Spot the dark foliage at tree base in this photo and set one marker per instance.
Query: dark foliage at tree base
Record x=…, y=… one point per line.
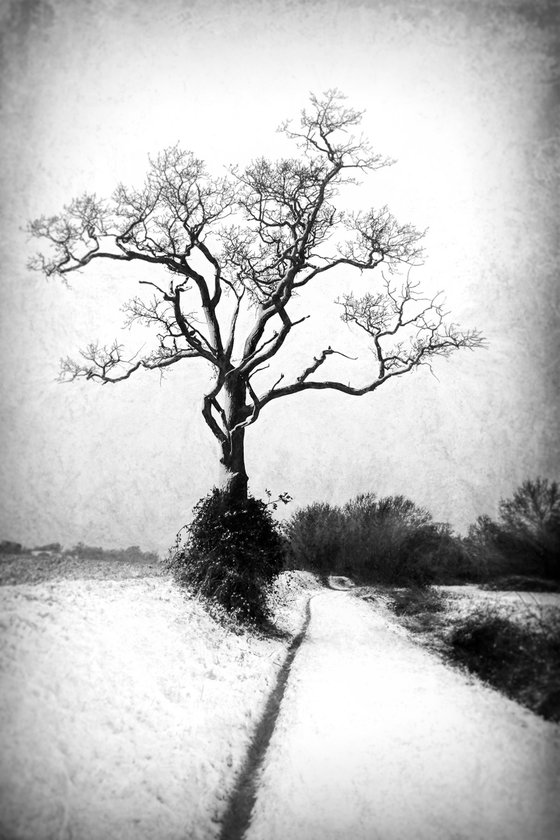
x=521, y=661
x=232, y=551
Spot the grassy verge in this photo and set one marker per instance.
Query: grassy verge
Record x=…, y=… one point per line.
x=514, y=647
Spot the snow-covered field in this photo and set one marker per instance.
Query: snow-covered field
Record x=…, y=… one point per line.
x=126, y=711
x=520, y=607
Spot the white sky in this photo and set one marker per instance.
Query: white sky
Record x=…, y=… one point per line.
x=459, y=98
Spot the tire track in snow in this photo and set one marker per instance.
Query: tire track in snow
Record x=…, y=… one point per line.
x=237, y=816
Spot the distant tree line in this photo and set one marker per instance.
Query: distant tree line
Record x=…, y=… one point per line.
x=525, y=539
x=393, y=540
x=81, y=551
x=229, y=556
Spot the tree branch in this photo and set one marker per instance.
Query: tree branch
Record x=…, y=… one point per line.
x=103, y=360
x=439, y=341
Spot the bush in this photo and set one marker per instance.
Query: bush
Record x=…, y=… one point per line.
x=516, y=653
x=86, y=552
x=481, y=546
x=316, y=536
x=388, y=537
x=231, y=553
x=530, y=526
x=414, y=601
x=133, y=554
x=526, y=538
x=387, y=540
x=521, y=661
x=419, y=608
x=10, y=547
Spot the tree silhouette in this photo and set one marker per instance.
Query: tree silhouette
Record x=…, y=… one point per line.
x=229, y=254
x=529, y=526
x=526, y=537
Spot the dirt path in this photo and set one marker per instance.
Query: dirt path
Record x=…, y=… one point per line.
x=376, y=738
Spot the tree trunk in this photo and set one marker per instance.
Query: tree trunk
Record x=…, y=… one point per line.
x=233, y=475
x=234, y=478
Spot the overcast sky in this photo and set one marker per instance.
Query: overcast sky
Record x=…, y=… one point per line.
x=461, y=95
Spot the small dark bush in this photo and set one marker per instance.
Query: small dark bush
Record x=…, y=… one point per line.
x=487, y=643
x=10, y=547
x=86, y=552
x=521, y=661
x=414, y=601
x=420, y=608
x=132, y=554
x=232, y=551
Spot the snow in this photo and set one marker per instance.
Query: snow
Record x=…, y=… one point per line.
x=524, y=608
x=376, y=738
x=502, y=596
x=126, y=711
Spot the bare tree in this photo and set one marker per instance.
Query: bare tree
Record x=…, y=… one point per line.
x=236, y=250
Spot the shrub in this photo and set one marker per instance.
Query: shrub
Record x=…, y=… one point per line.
x=231, y=552
x=526, y=538
x=387, y=540
x=86, y=552
x=530, y=526
x=522, y=661
x=10, y=547
x=414, y=601
x=316, y=536
x=386, y=537
x=132, y=554
x=420, y=609
x=515, y=652
x=481, y=547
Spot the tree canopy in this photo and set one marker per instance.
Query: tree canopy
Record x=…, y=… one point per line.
x=235, y=249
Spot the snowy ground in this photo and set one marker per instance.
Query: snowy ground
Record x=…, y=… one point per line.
x=533, y=600
x=525, y=608
x=126, y=711
x=377, y=738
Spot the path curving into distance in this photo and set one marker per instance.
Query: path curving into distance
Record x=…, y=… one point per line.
x=373, y=737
